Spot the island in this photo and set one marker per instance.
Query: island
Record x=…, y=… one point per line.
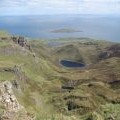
x=65, y=30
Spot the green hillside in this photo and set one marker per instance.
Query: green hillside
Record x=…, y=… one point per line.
x=50, y=91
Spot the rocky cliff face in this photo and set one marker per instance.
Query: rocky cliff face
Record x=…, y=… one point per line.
x=112, y=51
x=12, y=108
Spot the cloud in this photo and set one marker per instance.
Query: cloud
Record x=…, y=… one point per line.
x=61, y=6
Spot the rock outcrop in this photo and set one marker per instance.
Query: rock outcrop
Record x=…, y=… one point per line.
x=112, y=51
x=12, y=108
x=21, y=41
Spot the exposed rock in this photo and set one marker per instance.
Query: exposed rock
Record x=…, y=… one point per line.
x=21, y=41
x=71, y=84
x=112, y=51
x=71, y=105
x=12, y=107
x=15, y=84
x=6, y=69
x=4, y=38
x=82, y=98
x=20, y=75
x=15, y=39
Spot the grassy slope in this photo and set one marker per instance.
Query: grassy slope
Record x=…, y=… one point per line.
x=96, y=76
x=39, y=72
x=42, y=94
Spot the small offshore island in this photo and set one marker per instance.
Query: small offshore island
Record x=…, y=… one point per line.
x=34, y=86
x=65, y=30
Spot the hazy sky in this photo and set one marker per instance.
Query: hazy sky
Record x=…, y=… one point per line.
x=19, y=7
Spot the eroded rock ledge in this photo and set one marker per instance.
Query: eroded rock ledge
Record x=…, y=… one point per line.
x=12, y=109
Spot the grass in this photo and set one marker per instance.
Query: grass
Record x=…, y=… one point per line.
x=7, y=76
x=4, y=43
x=111, y=111
x=41, y=93
x=4, y=33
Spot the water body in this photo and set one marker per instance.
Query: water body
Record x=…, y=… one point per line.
x=72, y=64
x=93, y=26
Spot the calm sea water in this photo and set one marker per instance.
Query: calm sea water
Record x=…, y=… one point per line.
x=94, y=26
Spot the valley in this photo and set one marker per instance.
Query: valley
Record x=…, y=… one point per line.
x=49, y=91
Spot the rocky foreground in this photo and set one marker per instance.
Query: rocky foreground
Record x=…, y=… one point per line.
x=12, y=109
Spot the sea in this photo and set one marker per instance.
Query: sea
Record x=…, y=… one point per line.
x=102, y=27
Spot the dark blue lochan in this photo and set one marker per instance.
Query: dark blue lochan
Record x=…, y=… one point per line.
x=71, y=64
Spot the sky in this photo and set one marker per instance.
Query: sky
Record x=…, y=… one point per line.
x=38, y=7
